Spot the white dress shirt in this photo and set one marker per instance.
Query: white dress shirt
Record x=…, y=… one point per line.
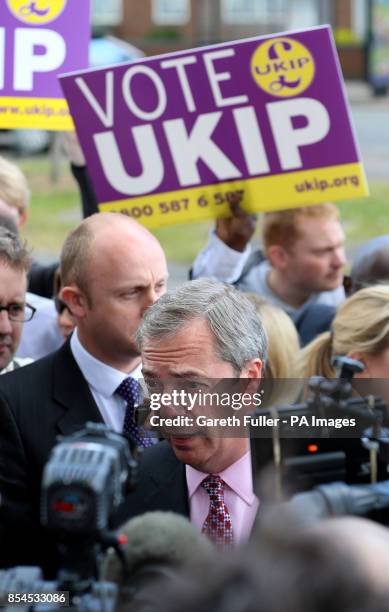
x=239, y=496
x=41, y=335
x=103, y=382
x=17, y=362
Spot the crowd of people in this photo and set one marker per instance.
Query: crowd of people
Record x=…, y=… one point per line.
x=77, y=336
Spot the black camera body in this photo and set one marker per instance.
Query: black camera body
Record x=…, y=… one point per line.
x=84, y=482
x=343, y=474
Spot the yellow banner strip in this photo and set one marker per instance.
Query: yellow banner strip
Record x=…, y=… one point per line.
x=35, y=113
x=289, y=190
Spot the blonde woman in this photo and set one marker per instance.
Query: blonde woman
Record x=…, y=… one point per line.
x=360, y=330
x=283, y=339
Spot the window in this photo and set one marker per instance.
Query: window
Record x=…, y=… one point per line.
x=170, y=12
x=235, y=12
x=303, y=14
x=107, y=12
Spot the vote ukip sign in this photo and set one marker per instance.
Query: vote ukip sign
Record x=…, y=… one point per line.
x=174, y=138
x=38, y=40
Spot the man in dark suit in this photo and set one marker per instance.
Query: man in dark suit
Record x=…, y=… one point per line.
x=192, y=336
x=113, y=269
x=204, y=337
x=14, y=311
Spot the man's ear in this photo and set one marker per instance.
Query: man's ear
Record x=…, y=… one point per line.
x=277, y=255
x=252, y=369
x=75, y=300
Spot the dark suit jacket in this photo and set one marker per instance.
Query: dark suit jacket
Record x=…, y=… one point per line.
x=37, y=403
x=314, y=320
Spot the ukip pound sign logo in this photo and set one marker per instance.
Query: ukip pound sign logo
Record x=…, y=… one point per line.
x=36, y=12
x=283, y=67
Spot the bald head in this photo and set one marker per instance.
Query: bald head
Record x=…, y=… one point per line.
x=96, y=238
x=365, y=542
x=113, y=269
x=100, y=222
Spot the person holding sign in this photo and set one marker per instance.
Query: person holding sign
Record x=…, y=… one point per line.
x=301, y=268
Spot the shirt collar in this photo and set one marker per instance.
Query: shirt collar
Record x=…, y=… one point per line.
x=101, y=377
x=9, y=368
x=238, y=477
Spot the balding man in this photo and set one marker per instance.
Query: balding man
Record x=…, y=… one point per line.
x=113, y=269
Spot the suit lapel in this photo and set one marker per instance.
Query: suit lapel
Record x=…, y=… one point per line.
x=162, y=479
x=71, y=390
x=170, y=489
x=161, y=486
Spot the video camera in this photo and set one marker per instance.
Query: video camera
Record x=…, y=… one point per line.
x=318, y=454
x=84, y=482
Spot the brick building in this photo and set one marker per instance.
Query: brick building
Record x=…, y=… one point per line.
x=160, y=26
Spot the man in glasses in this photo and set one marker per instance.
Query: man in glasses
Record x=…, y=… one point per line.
x=14, y=265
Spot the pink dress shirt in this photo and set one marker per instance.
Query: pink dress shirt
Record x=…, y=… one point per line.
x=239, y=497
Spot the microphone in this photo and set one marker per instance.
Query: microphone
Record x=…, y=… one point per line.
x=157, y=545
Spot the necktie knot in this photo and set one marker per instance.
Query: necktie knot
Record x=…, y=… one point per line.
x=213, y=485
x=130, y=390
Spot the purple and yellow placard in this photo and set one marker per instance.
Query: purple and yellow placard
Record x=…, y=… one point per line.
x=40, y=39
x=171, y=139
